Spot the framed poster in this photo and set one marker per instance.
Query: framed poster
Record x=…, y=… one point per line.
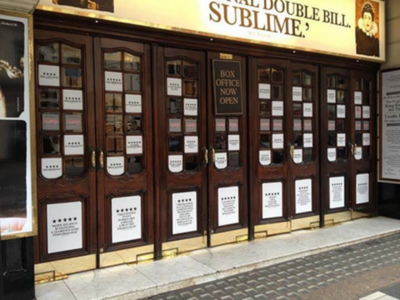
x=389, y=119
x=17, y=127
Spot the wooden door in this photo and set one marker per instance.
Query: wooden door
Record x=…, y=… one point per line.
x=66, y=141
x=364, y=149
x=181, y=150
x=227, y=172
x=269, y=146
x=335, y=144
x=125, y=152
x=304, y=183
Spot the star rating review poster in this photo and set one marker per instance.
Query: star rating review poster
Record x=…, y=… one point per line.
x=17, y=187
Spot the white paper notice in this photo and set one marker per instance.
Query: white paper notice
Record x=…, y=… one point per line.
x=297, y=93
x=358, y=98
x=49, y=75
x=272, y=200
x=277, y=108
x=331, y=96
x=308, y=140
x=362, y=187
x=264, y=91
x=191, y=144
x=175, y=163
x=64, y=227
x=115, y=165
x=307, y=110
x=126, y=219
x=190, y=107
x=174, y=87
x=221, y=160
x=336, y=192
x=73, y=100
x=341, y=111
x=184, y=212
x=265, y=157
x=133, y=104
x=233, y=142
x=52, y=168
x=228, y=206
x=73, y=145
x=358, y=153
x=366, y=112
x=277, y=141
x=303, y=196
x=331, y=154
x=134, y=144
x=298, y=156
x=366, y=139
x=113, y=81
x=341, y=140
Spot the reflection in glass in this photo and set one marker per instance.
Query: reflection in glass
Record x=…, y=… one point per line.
x=278, y=124
x=114, y=124
x=51, y=145
x=49, y=53
x=341, y=96
x=190, y=88
x=133, y=124
x=265, y=108
x=131, y=63
x=51, y=122
x=234, y=159
x=175, y=106
x=49, y=98
x=220, y=142
x=298, y=140
x=297, y=125
x=277, y=76
x=73, y=122
x=308, y=155
x=74, y=167
x=332, y=111
x=308, y=79
x=366, y=152
x=296, y=78
x=307, y=94
x=332, y=82
x=277, y=92
x=71, y=55
x=174, y=67
x=220, y=125
x=175, y=125
x=265, y=141
x=264, y=75
x=264, y=125
x=358, y=126
x=332, y=139
x=190, y=125
x=112, y=61
x=115, y=145
x=277, y=157
x=366, y=85
x=132, y=82
x=72, y=77
x=113, y=103
x=341, y=83
x=357, y=84
x=175, y=144
x=341, y=153
x=331, y=125
x=135, y=164
x=366, y=98
x=307, y=125
x=359, y=139
x=234, y=125
x=297, y=109
x=191, y=163
x=341, y=126
x=189, y=69
x=366, y=125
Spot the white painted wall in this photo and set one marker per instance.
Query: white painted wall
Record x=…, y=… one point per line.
x=392, y=34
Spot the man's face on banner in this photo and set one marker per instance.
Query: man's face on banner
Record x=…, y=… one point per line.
x=367, y=19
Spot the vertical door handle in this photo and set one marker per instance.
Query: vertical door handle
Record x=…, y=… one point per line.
x=292, y=151
x=93, y=157
x=101, y=159
x=205, y=161
x=354, y=148
x=213, y=155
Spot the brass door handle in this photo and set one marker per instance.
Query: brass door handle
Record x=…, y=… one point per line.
x=93, y=159
x=354, y=149
x=205, y=162
x=292, y=151
x=101, y=159
x=213, y=155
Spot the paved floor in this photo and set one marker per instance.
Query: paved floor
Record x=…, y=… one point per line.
x=348, y=273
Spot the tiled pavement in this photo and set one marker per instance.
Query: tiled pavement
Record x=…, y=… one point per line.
x=307, y=278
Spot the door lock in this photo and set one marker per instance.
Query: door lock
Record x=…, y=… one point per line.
x=205, y=161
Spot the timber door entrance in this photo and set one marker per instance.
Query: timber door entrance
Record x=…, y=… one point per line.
x=201, y=167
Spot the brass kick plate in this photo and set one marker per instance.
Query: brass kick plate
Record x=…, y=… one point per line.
x=266, y=230
x=229, y=237
x=338, y=217
x=174, y=248
x=127, y=256
x=305, y=223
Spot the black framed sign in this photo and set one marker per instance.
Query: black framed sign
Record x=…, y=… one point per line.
x=227, y=85
x=17, y=128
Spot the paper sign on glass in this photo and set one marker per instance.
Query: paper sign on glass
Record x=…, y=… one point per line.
x=272, y=200
x=73, y=100
x=366, y=112
x=228, y=206
x=358, y=153
x=341, y=111
x=303, y=196
x=133, y=104
x=49, y=75
x=362, y=187
x=184, y=212
x=190, y=107
x=265, y=157
x=233, y=142
x=221, y=160
x=307, y=110
x=277, y=108
x=297, y=93
x=174, y=87
x=191, y=144
x=331, y=96
x=126, y=219
x=52, y=168
x=341, y=140
x=134, y=144
x=175, y=163
x=115, y=165
x=64, y=227
x=277, y=141
x=358, y=98
x=298, y=156
x=308, y=140
x=336, y=192
x=264, y=91
x=73, y=145
x=366, y=139
x=331, y=154
x=113, y=81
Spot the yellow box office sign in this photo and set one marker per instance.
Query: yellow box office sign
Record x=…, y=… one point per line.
x=352, y=28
